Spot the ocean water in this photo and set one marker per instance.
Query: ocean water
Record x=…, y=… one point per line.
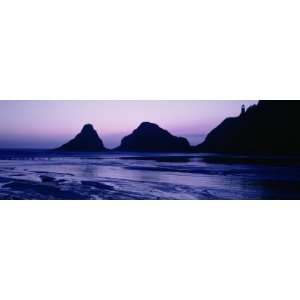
x=41, y=174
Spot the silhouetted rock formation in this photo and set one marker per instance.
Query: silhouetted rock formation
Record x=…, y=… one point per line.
x=149, y=137
x=270, y=127
x=86, y=141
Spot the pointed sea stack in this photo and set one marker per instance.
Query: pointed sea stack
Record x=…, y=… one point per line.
x=86, y=141
x=270, y=127
x=149, y=137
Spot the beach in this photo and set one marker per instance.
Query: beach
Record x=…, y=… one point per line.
x=44, y=174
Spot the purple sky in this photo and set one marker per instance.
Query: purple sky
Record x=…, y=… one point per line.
x=47, y=124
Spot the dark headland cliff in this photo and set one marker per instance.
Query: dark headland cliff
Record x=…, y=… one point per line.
x=270, y=127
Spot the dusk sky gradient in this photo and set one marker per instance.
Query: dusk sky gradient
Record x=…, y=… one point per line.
x=48, y=124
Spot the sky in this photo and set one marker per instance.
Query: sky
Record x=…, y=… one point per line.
x=48, y=124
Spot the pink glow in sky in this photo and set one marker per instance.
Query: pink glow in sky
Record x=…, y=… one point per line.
x=47, y=124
